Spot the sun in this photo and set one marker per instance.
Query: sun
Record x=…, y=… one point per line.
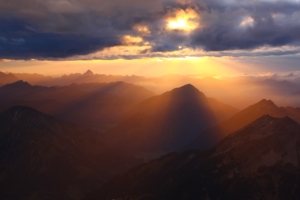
x=184, y=20
x=179, y=24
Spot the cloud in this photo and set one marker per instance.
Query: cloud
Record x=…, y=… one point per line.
x=58, y=29
x=19, y=42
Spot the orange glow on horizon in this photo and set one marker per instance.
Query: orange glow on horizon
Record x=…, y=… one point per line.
x=212, y=66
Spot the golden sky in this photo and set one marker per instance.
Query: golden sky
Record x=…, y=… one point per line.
x=150, y=38
x=210, y=66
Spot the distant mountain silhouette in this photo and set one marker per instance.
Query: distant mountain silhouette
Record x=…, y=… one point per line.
x=245, y=117
x=23, y=91
x=88, y=73
x=236, y=91
x=260, y=161
x=36, y=79
x=96, y=105
x=16, y=85
x=67, y=79
x=164, y=123
x=43, y=157
x=7, y=78
x=278, y=86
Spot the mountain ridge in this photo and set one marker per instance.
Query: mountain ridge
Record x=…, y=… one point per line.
x=165, y=122
x=46, y=157
x=245, y=117
x=265, y=166
x=103, y=104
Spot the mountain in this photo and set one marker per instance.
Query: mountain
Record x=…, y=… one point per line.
x=165, y=122
x=87, y=77
x=260, y=161
x=43, y=157
x=103, y=105
x=7, y=78
x=236, y=91
x=245, y=117
x=88, y=73
x=36, y=79
x=96, y=105
x=20, y=90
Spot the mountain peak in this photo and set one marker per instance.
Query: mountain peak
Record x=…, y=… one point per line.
x=265, y=102
x=18, y=84
x=17, y=112
x=264, y=127
x=288, y=119
x=188, y=90
x=31, y=118
x=188, y=86
x=88, y=73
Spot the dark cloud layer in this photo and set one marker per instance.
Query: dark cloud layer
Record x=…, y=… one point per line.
x=17, y=41
x=46, y=29
x=272, y=24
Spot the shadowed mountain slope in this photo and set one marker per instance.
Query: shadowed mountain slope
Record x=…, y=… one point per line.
x=245, y=117
x=43, y=157
x=260, y=161
x=98, y=106
x=166, y=122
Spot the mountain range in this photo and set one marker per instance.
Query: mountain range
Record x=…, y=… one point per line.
x=44, y=157
x=102, y=105
x=245, y=117
x=238, y=91
x=260, y=161
x=7, y=78
x=68, y=142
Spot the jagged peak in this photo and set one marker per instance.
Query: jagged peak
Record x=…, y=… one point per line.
x=268, y=118
x=288, y=119
x=88, y=73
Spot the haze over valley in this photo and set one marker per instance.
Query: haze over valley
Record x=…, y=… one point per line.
x=69, y=140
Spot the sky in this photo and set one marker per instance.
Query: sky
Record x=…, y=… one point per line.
x=153, y=38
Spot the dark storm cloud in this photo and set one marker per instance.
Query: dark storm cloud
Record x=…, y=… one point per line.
x=63, y=28
x=44, y=29
x=18, y=41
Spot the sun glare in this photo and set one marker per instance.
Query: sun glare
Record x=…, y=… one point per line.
x=185, y=20
x=180, y=24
